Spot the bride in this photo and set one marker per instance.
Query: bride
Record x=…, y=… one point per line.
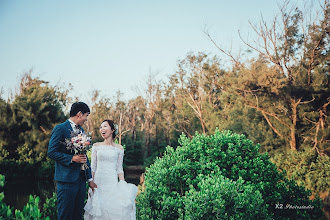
x=111, y=199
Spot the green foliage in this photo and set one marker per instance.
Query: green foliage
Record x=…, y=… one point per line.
x=6, y=212
x=307, y=168
x=33, y=170
x=243, y=120
x=170, y=178
x=2, y=180
x=27, y=120
x=217, y=197
x=5, y=117
x=36, y=110
x=30, y=211
x=133, y=153
x=25, y=126
x=288, y=83
x=50, y=207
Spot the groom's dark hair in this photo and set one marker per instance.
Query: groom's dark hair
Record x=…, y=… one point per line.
x=79, y=107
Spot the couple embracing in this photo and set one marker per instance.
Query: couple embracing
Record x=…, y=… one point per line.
x=109, y=196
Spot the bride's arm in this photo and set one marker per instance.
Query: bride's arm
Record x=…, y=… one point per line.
x=93, y=160
x=91, y=183
x=120, y=170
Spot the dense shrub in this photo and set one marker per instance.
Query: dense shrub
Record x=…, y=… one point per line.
x=217, y=197
x=30, y=211
x=50, y=207
x=171, y=180
x=13, y=169
x=307, y=168
x=6, y=212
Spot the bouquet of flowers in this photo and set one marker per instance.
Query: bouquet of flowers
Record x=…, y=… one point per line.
x=79, y=143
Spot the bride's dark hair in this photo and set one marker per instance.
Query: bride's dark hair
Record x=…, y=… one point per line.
x=112, y=126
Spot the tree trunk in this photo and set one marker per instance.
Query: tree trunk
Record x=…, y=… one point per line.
x=147, y=140
x=293, y=141
x=120, y=129
x=203, y=125
x=156, y=135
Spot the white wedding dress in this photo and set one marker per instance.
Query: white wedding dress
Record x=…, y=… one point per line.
x=111, y=199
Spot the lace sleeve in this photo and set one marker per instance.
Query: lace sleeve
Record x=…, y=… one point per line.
x=94, y=159
x=120, y=162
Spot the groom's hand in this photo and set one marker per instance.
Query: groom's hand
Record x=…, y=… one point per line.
x=81, y=158
x=92, y=185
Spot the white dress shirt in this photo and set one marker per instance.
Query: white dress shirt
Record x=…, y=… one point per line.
x=75, y=128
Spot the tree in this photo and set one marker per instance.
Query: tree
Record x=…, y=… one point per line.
x=5, y=121
x=152, y=98
x=35, y=110
x=195, y=94
x=289, y=82
x=121, y=117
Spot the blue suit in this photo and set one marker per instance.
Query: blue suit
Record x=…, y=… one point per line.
x=71, y=181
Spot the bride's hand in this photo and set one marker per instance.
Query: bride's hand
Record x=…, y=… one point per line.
x=92, y=185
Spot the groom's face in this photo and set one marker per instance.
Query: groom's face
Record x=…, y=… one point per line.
x=82, y=118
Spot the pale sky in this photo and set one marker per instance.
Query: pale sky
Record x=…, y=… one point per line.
x=111, y=45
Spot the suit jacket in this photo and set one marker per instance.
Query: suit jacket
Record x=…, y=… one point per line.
x=65, y=170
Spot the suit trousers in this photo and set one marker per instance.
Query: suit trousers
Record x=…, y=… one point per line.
x=71, y=199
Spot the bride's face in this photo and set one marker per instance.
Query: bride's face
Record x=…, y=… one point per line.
x=105, y=130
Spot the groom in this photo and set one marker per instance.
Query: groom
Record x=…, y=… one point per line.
x=70, y=179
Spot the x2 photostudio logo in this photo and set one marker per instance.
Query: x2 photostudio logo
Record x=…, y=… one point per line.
x=289, y=206
x=278, y=206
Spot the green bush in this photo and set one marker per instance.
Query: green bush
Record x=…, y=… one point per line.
x=307, y=168
x=50, y=207
x=30, y=211
x=217, y=197
x=6, y=212
x=13, y=169
x=170, y=180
